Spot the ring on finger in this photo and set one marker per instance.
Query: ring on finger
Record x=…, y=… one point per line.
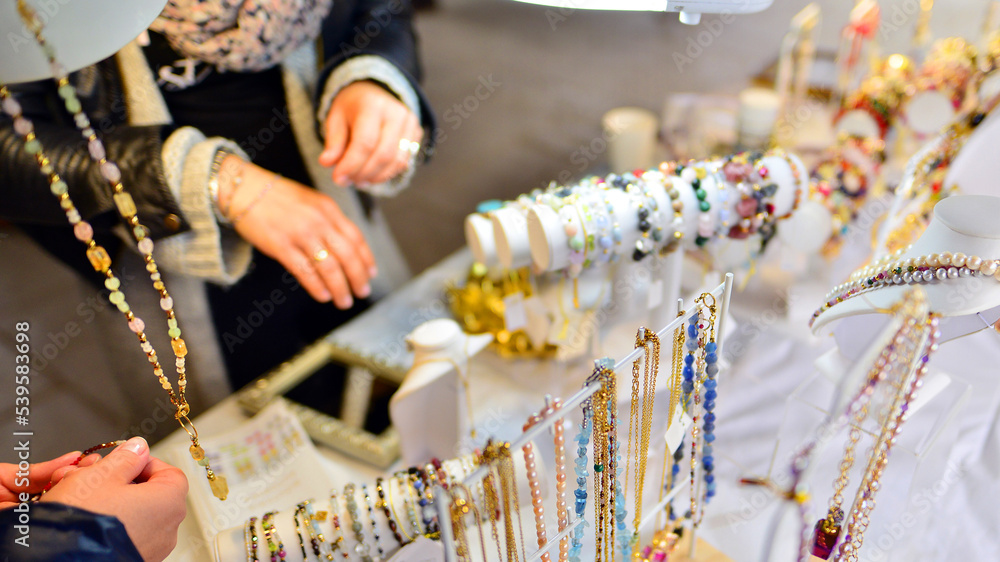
x=412, y=147
x=320, y=255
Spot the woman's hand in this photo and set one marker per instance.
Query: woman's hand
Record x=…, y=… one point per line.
x=146, y=494
x=363, y=132
x=304, y=230
x=38, y=476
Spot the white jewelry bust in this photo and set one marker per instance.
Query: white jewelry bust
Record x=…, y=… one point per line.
x=430, y=409
x=962, y=223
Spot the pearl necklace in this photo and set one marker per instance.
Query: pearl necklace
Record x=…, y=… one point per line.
x=894, y=269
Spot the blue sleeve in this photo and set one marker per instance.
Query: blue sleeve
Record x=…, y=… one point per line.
x=54, y=531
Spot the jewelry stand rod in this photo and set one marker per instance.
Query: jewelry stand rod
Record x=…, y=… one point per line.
x=722, y=292
x=541, y=551
x=651, y=515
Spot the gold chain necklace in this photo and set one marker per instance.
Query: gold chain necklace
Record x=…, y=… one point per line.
x=96, y=254
x=642, y=420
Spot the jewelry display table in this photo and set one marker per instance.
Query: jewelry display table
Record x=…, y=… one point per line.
x=773, y=358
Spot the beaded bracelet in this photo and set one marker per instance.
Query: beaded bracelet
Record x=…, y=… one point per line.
x=316, y=538
x=298, y=530
x=371, y=519
x=693, y=176
x=410, y=503
x=250, y=538
x=337, y=538
x=379, y=488
x=363, y=548
x=274, y=544
x=676, y=204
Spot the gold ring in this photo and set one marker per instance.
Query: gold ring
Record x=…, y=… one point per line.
x=321, y=254
x=406, y=145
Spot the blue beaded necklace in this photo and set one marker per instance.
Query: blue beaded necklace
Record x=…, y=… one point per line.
x=708, y=369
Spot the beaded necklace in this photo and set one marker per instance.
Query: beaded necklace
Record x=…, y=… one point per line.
x=96, y=254
x=894, y=269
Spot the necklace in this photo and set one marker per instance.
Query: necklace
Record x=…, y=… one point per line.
x=710, y=385
x=893, y=368
x=864, y=502
x=580, y=506
x=642, y=420
x=897, y=270
x=96, y=254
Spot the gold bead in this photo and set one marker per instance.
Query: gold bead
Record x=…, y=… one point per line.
x=197, y=453
x=99, y=258
x=125, y=204
x=180, y=348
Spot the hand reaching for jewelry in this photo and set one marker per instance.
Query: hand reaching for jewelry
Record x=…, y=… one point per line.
x=304, y=230
x=370, y=135
x=144, y=493
x=38, y=475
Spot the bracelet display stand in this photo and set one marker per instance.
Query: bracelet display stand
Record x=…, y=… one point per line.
x=430, y=411
x=529, y=231
x=723, y=292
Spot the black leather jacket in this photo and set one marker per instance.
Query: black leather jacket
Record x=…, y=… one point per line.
x=354, y=27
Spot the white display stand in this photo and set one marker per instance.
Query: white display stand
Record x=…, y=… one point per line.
x=723, y=293
x=433, y=392
x=68, y=28
x=546, y=227
x=479, y=237
x=965, y=224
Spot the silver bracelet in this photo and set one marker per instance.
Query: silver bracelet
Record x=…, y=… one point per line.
x=222, y=215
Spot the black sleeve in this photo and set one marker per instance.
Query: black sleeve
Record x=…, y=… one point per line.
x=375, y=27
x=55, y=531
x=24, y=192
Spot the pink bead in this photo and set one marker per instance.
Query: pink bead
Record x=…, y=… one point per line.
x=111, y=172
x=539, y=511
x=96, y=149
x=571, y=230
x=536, y=493
x=136, y=325
x=83, y=231
x=22, y=126
x=167, y=303
x=146, y=246
x=11, y=106
x=746, y=207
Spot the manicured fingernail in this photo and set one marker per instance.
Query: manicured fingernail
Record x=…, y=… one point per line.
x=325, y=296
x=346, y=303
x=340, y=180
x=364, y=184
x=373, y=271
x=136, y=445
x=365, y=291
